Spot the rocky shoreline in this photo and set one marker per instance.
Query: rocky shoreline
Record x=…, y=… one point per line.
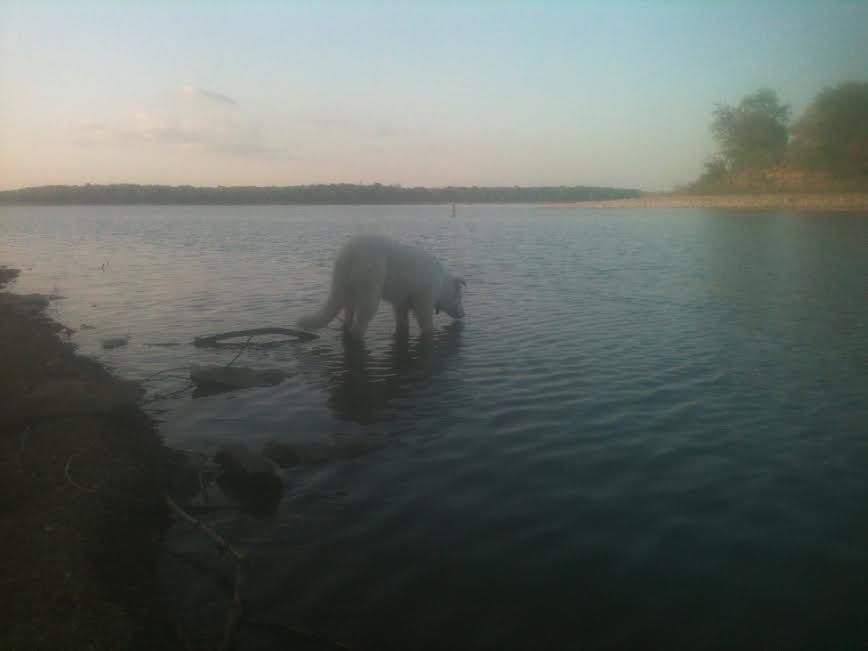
x=837, y=202
x=82, y=512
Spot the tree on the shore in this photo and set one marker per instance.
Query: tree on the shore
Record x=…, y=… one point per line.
x=832, y=135
x=752, y=135
x=715, y=173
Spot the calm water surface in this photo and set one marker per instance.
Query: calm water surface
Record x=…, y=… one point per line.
x=651, y=430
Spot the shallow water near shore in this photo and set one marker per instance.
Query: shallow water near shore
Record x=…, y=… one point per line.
x=651, y=428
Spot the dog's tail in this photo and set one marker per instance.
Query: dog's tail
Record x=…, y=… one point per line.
x=326, y=313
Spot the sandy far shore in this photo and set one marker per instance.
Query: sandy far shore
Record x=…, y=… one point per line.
x=843, y=202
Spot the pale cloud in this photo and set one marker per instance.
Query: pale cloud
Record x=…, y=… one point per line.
x=165, y=123
x=215, y=133
x=172, y=129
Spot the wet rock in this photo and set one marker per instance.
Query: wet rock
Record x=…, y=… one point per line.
x=59, y=327
x=240, y=460
x=249, y=478
x=235, y=377
x=114, y=342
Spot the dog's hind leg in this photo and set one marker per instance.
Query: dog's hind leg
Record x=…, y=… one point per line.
x=349, y=314
x=402, y=322
x=367, y=301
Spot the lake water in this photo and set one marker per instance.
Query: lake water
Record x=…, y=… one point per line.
x=650, y=431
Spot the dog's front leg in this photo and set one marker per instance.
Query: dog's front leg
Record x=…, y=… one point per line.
x=423, y=309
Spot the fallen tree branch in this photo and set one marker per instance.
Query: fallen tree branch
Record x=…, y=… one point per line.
x=215, y=341
x=204, y=528
x=86, y=489
x=165, y=370
x=171, y=394
x=236, y=610
x=238, y=354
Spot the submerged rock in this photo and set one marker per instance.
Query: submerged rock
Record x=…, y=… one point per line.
x=239, y=460
x=114, y=342
x=249, y=478
x=235, y=377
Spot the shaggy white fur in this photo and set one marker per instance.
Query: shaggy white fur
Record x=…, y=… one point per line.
x=369, y=268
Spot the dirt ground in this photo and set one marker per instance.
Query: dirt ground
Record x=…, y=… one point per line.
x=82, y=477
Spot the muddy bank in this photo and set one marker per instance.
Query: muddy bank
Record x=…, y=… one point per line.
x=849, y=202
x=82, y=478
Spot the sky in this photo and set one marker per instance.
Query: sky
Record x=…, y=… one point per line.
x=410, y=93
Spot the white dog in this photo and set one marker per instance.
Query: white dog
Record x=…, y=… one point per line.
x=369, y=268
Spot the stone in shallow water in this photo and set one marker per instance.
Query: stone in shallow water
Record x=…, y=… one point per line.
x=249, y=478
x=114, y=342
x=241, y=460
x=235, y=377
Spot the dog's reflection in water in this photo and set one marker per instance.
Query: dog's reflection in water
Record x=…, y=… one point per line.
x=367, y=389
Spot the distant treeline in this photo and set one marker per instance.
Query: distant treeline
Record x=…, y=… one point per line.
x=340, y=193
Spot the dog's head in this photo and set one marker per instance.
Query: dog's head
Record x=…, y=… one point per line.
x=450, y=297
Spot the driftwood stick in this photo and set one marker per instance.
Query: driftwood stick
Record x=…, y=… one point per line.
x=236, y=610
x=238, y=354
x=86, y=489
x=204, y=528
x=203, y=489
x=165, y=370
x=211, y=341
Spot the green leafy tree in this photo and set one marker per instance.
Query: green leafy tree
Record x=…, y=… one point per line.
x=752, y=135
x=832, y=135
x=713, y=179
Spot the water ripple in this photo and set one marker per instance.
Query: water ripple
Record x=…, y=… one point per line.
x=645, y=418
